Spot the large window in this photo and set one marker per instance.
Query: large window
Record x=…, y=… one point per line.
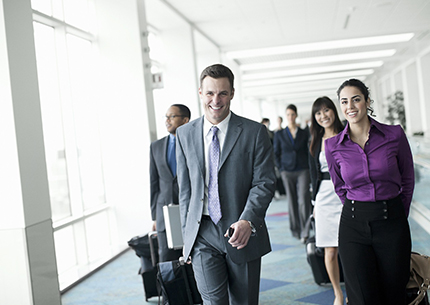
x=66, y=55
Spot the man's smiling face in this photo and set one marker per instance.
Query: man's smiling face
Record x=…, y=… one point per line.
x=216, y=94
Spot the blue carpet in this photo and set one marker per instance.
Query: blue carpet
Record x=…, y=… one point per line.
x=278, y=247
x=266, y=284
x=325, y=297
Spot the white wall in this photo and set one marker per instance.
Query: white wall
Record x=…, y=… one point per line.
x=124, y=117
x=412, y=78
x=180, y=84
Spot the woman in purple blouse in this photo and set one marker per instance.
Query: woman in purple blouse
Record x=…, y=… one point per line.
x=372, y=170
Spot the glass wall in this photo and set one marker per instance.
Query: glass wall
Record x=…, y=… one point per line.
x=66, y=56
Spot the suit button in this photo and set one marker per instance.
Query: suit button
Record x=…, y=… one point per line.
x=198, y=221
x=201, y=200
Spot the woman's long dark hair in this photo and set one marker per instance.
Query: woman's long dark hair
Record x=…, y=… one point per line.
x=317, y=131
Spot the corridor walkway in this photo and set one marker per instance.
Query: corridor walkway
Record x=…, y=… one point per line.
x=286, y=276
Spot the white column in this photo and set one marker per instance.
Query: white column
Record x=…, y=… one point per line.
x=146, y=60
x=28, y=266
x=412, y=99
x=423, y=64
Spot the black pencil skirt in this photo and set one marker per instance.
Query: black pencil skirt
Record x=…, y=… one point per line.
x=375, y=250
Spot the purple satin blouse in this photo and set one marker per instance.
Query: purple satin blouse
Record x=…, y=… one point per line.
x=382, y=171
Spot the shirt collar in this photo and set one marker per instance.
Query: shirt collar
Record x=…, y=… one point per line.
x=343, y=134
x=377, y=125
x=373, y=123
x=222, y=126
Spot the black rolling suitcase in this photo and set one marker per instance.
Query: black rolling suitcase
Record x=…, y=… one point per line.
x=315, y=257
x=177, y=283
x=146, y=247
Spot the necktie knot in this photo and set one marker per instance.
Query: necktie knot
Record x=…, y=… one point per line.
x=214, y=130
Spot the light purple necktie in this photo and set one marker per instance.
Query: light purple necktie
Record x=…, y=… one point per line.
x=213, y=194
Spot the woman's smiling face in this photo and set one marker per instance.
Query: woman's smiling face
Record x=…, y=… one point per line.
x=353, y=104
x=325, y=117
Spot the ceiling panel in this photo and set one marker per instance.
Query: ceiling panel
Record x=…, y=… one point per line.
x=254, y=24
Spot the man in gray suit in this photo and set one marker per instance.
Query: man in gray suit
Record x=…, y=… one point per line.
x=226, y=180
x=164, y=185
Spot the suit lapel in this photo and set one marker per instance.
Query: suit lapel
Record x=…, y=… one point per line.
x=233, y=133
x=199, y=144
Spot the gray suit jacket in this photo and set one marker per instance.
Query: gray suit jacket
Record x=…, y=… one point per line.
x=246, y=180
x=164, y=186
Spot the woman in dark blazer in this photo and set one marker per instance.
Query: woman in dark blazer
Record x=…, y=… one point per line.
x=325, y=123
x=291, y=153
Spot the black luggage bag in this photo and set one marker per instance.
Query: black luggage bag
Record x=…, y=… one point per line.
x=315, y=257
x=177, y=283
x=146, y=248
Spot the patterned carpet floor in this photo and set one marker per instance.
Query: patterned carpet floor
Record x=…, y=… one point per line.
x=286, y=277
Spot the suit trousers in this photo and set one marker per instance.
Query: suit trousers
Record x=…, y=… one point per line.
x=297, y=184
x=220, y=280
x=375, y=250
x=165, y=254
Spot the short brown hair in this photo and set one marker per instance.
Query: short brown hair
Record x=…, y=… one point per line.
x=218, y=71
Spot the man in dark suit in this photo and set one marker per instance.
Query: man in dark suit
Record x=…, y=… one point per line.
x=226, y=180
x=164, y=185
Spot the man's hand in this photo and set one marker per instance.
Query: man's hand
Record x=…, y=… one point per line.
x=154, y=226
x=241, y=235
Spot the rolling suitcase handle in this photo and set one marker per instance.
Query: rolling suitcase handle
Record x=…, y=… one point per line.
x=153, y=245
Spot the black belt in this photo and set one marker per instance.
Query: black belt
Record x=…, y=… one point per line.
x=325, y=176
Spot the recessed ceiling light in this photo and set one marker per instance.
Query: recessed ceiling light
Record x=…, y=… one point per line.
x=324, y=45
x=322, y=69
x=285, y=80
x=318, y=60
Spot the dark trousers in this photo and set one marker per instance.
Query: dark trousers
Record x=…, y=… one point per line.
x=221, y=281
x=375, y=250
x=299, y=200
